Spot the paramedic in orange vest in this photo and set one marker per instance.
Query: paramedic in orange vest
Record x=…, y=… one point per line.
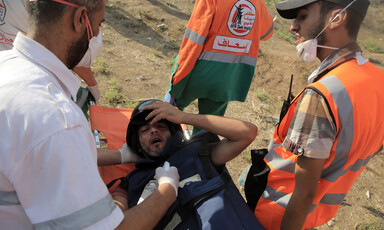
x=217, y=58
x=333, y=127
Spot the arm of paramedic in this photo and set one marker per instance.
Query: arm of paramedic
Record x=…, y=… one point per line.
x=312, y=113
x=148, y=213
x=108, y=157
x=113, y=157
x=238, y=134
x=121, y=202
x=194, y=37
x=307, y=175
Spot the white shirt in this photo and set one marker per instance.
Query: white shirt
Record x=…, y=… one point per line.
x=13, y=18
x=48, y=171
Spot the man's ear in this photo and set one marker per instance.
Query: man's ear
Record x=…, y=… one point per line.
x=338, y=19
x=79, y=22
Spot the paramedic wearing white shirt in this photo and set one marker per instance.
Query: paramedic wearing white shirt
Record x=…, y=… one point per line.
x=48, y=171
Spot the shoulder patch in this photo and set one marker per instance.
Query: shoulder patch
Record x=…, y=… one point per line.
x=241, y=18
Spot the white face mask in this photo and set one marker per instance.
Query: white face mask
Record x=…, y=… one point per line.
x=94, y=48
x=308, y=50
x=95, y=43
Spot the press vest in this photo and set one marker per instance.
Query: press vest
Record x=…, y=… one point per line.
x=220, y=49
x=355, y=98
x=207, y=197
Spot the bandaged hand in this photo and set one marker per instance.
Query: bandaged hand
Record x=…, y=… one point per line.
x=167, y=174
x=95, y=92
x=128, y=155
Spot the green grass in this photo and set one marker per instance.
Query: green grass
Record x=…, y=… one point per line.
x=100, y=67
x=120, y=15
x=109, y=4
x=113, y=94
x=262, y=95
x=162, y=27
x=171, y=45
x=307, y=72
x=171, y=4
x=116, y=14
x=286, y=35
x=132, y=22
x=372, y=224
x=246, y=155
x=181, y=28
x=269, y=3
x=131, y=104
x=374, y=46
x=115, y=97
x=146, y=14
x=157, y=53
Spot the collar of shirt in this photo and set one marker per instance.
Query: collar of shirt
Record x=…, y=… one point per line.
x=346, y=53
x=38, y=54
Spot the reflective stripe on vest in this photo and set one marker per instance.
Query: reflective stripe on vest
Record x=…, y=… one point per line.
x=195, y=37
x=332, y=173
x=282, y=198
x=228, y=58
x=9, y=198
x=268, y=32
x=345, y=115
x=82, y=218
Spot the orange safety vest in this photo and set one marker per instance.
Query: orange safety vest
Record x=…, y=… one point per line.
x=222, y=32
x=356, y=99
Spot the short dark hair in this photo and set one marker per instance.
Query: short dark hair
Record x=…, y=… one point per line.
x=353, y=22
x=48, y=12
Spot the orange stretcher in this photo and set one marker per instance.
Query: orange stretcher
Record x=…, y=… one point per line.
x=112, y=123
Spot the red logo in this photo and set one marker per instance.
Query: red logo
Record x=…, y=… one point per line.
x=241, y=18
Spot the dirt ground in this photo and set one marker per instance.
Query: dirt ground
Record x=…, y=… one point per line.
x=141, y=39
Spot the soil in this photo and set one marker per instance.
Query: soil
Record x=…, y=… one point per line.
x=141, y=39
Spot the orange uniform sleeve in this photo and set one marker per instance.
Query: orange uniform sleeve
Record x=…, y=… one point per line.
x=194, y=38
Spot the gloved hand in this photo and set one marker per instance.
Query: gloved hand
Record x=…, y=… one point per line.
x=95, y=92
x=168, y=175
x=128, y=155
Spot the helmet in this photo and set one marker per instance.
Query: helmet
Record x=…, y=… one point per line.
x=137, y=120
